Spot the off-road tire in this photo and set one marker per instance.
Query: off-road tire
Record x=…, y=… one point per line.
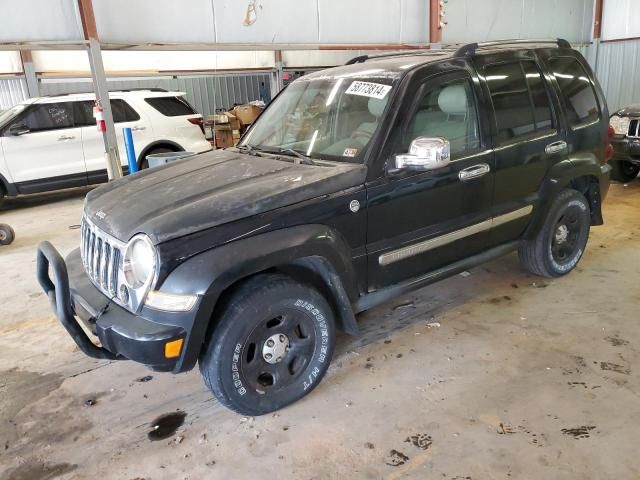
x=240, y=338
x=7, y=235
x=624, y=171
x=536, y=255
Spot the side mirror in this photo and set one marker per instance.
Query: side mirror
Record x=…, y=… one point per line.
x=424, y=154
x=18, y=129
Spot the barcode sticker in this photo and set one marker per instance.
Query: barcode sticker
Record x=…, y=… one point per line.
x=368, y=89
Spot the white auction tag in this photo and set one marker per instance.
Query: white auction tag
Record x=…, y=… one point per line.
x=368, y=89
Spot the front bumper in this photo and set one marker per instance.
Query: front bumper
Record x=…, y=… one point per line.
x=625, y=148
x=122, y=334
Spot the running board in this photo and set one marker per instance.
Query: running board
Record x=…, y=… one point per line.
x=380, y=296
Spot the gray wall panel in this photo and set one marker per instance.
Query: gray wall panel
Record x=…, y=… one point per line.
x=618, y=72
x=12, y=91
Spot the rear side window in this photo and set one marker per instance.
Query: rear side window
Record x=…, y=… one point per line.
x=49, y=116
x=121, y=110
x=576, y=88
x=520, y=99
x=171, y=106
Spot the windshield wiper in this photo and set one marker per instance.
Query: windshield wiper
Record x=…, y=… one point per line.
x=304, y=159
x=248, y=149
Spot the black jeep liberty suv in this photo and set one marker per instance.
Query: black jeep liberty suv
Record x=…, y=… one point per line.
x=357, y=184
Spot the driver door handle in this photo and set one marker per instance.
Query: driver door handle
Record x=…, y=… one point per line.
x=555, y=147
x=475, y=171
x=65, y=137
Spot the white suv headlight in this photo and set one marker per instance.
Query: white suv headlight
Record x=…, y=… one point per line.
x=140, y=262
x=620, y=124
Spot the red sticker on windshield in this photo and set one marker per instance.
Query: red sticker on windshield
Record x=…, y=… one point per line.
x=350, y=152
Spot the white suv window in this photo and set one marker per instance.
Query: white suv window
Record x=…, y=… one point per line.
x=122, y=112
x=49, y=116
x=171, y=106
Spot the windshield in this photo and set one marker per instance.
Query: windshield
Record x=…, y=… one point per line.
x=7, y=115
x=330, y=118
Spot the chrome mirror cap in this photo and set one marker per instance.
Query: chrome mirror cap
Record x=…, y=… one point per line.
x=425, y=154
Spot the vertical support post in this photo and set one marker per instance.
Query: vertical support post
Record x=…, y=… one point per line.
x=29, y=73
x=276, y=77
x=435, y=30
x=114, y=168
x=131, y=152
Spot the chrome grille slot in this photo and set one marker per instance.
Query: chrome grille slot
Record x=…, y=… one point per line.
x=634, y=128
x=101, y=257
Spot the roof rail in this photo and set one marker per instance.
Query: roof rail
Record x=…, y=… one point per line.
x=406, y=53
x=470, y=48
x=141, y=89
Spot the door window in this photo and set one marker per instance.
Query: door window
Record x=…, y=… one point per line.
x=49, y=116
x=580, y=97
x=446, y=110
x=171, y=106
x=520, y=99
x=121, y=110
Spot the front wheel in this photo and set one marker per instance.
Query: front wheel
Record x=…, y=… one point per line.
x=624, y=171
x=272, y=345
x=7, y=235
x=560, y=243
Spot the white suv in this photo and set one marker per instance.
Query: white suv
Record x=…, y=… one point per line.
x=51, y=143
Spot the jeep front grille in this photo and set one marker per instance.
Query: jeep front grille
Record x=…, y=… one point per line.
x=634, y=128
x=101, y=256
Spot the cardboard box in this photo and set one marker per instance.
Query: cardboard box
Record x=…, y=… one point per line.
x=218, y=118
x=247, y=113
x=224, y=138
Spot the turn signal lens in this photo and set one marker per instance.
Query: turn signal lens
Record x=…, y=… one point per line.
x=170, y=302
x=172, y=349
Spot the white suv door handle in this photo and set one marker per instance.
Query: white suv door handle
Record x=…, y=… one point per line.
x=473, y=172
x=555, y=147
x=65, y=137
x=135, y=129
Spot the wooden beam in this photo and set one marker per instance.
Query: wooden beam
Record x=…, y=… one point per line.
x=597, y=19
x=435, y=31
x=88, y=19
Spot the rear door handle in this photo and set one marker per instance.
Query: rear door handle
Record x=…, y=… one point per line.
x=473, y=172
x=65, y=137
x=556, y=147
x=135, y=129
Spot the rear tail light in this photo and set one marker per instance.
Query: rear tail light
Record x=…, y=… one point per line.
x=197, y=121
x=608, y=151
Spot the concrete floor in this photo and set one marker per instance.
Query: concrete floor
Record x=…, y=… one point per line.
x=493, y=375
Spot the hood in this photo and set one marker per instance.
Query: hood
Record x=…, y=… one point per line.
x=629, y=111
x=207, y=190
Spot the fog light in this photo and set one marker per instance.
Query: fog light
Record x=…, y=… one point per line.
x=172, y=349
x=170, y=302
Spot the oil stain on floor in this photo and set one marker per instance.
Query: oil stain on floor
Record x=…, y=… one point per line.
x=166, y=425
x=38, y=471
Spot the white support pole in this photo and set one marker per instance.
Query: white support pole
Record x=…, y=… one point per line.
x=114, y=168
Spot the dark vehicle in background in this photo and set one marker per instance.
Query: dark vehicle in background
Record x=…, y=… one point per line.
x=357, y=184
x=626, y=143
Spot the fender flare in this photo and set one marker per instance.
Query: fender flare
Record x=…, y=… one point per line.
x=315, y=248
x=561, y=176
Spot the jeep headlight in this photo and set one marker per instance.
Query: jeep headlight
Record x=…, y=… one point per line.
x=140, y=262
x=620, y=124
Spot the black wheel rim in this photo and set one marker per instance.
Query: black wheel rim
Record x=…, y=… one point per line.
x=566, y=235
x=278, y=350
x=629, y=169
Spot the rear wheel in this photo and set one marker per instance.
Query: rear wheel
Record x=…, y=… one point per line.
x=7, y=235
x=624, y=170
x=271, y=347
x=561, y=241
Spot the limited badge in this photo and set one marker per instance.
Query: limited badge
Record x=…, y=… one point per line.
x=354, y=206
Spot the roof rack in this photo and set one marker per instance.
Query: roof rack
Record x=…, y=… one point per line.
x=470, y=48
x=425, y=52
x=141, y=89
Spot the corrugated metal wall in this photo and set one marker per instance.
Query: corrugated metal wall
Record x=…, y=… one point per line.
x=618, y=71
x=12, y=91
x=207, y=93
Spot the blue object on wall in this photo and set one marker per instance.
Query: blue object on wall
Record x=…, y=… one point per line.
x=131, y=153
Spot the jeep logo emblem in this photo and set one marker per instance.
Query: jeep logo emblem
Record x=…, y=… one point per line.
x=101, y=214
x=354, y=206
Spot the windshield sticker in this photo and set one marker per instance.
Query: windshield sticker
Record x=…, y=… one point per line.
x=350, y=152
x=368, y=89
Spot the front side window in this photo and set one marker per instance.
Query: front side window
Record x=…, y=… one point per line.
x=332, y=118
x=580, y=97
x=49, y=116
x=446, y=110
